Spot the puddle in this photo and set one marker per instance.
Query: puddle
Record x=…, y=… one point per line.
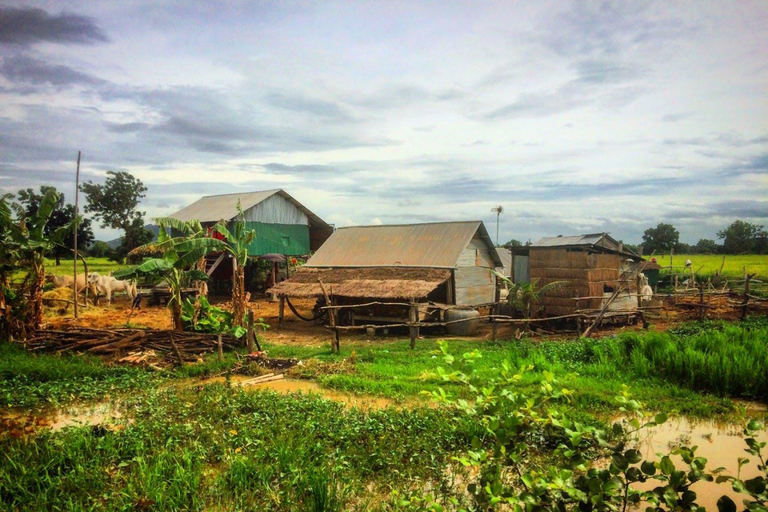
x=25, y=422
x=307, y=387
x=720, y=444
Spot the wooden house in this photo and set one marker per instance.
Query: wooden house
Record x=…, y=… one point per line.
x=446, y=263
x=284, y=227
x=588, y=267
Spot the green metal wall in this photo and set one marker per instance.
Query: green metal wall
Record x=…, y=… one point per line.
x=288, y=239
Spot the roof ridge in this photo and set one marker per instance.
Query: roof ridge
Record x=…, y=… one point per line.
x=412, y=224
x=243, y=193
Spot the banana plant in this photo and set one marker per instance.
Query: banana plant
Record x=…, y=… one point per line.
x=179, y=255
x=25, y=244
x=239, y=239
x=524, y=297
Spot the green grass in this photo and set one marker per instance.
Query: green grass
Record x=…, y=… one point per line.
x=226, y=449
x=696, y=375
x=101, y=265
x=30, y=379
x=710, y=263
x=221, y=448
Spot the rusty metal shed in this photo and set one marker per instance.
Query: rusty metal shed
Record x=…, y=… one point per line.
x=463, y=248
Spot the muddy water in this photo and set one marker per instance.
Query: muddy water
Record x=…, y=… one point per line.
x=102, y=413
x=307, y=387
x=720, y=444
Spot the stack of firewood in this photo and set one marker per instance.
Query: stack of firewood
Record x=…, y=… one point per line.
x=185, y=346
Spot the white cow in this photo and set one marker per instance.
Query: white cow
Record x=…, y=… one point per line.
x=107, y=285
x=66, y=281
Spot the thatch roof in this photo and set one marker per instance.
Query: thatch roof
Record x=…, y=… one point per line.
x=377, y=282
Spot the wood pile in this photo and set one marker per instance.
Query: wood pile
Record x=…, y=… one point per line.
x=114, y=342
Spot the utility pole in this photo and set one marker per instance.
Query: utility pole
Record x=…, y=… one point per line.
x=497, y=209
x=77, y=225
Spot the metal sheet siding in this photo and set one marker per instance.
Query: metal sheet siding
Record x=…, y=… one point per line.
x=276, y=210
x=474, y=286
x=436, y=245
x=287, y=239
x=522, y=271
x=221, y=207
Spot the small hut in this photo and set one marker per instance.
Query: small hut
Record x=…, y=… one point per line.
x=442, y=263
x=590, y=267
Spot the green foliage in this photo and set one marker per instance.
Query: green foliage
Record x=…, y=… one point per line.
x=660, y=239
x=518, y=427
x=227, y=449
x=99, y=249
x=114, y=203
x=743, y=238
x=726, y=359
x=30, y=380
x=61, y=216
x=200, y=316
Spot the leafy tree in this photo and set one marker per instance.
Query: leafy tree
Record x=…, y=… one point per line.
x=99, y=249
x=114, y=203
x=705, y=246
x=683, y=248
x=662, y=238
x=742, y=237
x=62, y=215
x=513, y=243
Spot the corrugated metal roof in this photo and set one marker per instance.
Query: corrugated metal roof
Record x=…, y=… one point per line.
x=224, y=207
x=602, y=240
x=436, y=245
x=562, y=241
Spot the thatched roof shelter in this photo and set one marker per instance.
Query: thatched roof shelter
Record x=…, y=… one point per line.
x=382, y=282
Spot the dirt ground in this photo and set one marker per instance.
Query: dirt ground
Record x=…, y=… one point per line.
x=304, y=333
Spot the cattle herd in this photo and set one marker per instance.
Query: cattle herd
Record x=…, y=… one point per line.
x=97, y=285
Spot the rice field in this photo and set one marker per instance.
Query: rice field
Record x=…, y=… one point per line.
x=733, y=265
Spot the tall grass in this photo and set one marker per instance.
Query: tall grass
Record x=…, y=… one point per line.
x=729, y=361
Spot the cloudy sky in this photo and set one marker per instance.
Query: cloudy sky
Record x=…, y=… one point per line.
x=575, y=117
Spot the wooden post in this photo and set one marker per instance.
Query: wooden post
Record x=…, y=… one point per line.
x=176, y=349
x=413, y=317
x=74, y=260
x=331, y=319
x=495, y=310
x=639, y=291
x=745, y=304
x=602, y=311
x=249, y=335
x=281, y=313
x=702, y=309
x=221, y=349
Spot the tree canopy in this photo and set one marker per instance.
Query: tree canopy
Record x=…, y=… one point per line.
x=62, y=215
x=743, y=237
x=662, y=238
x=114, y=204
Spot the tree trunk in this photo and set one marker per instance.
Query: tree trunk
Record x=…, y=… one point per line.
x=202, y=286
x=58, y=260
x=36, y=298
x=176, y=314
x=238, y=295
